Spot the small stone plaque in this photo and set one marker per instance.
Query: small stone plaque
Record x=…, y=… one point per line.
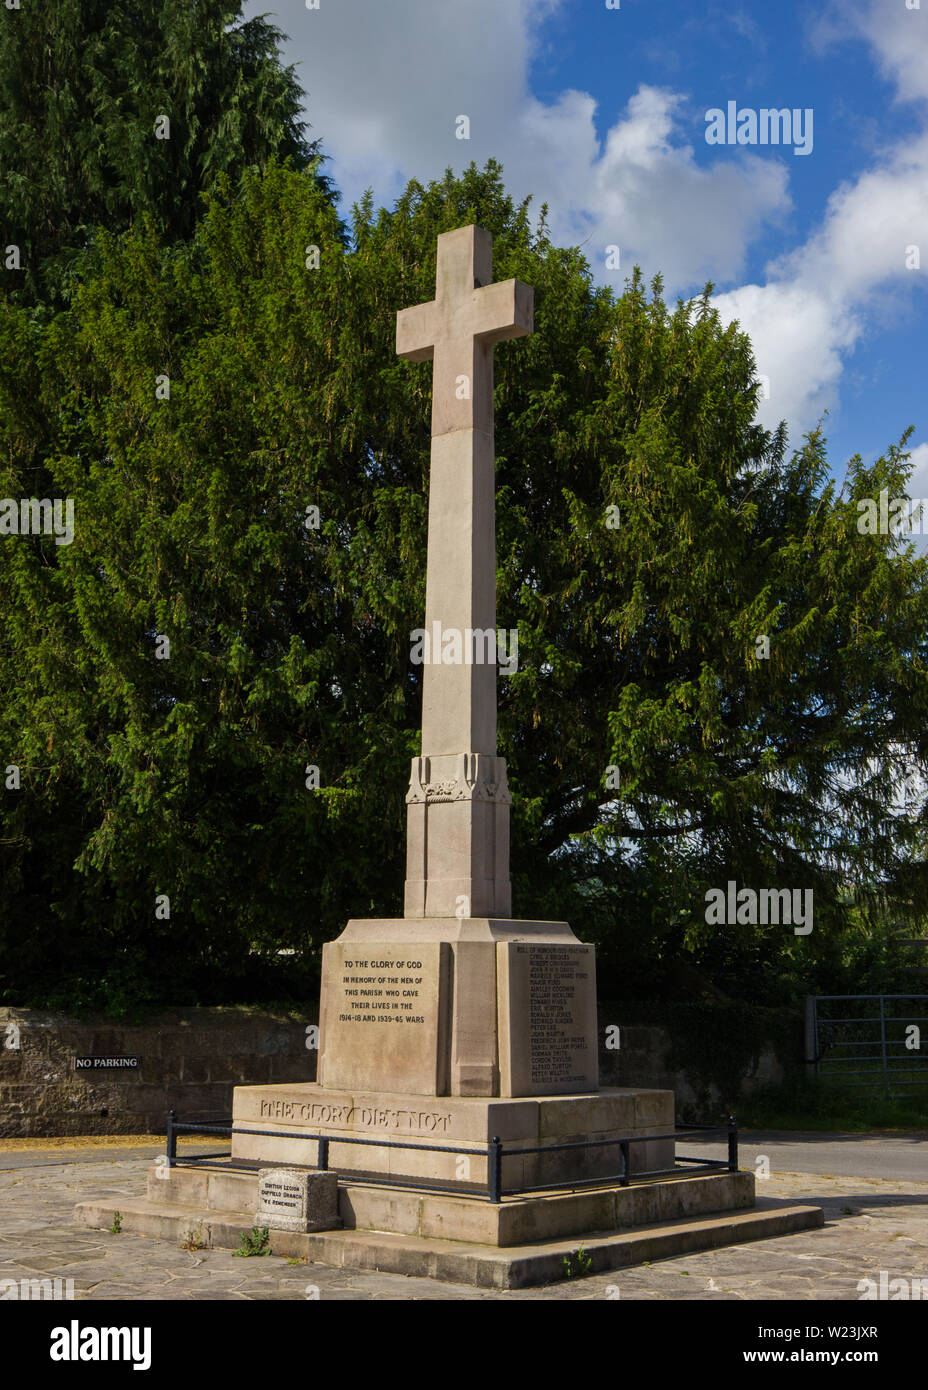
x=547, y=1019
x=292, y=1199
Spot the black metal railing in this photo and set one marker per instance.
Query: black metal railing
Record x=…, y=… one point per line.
x=496, y=1151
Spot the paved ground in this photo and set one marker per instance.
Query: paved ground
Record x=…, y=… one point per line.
x=57, y=1158
x=873, y=1224
x=900, y=1156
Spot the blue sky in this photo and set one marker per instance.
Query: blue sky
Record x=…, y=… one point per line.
x=602, y=113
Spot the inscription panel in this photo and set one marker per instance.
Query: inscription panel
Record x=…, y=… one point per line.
x=547, y=1013
x=280, y=1191
x=290, y=1199
x=323, y=1115
x=384, y=1016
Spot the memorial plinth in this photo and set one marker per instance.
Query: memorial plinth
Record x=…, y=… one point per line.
x=459, y=1007
x=459, y=1129
x=455, y=1032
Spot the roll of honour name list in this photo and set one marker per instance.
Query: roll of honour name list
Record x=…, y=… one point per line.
x=372, y=996
x=557, y=1044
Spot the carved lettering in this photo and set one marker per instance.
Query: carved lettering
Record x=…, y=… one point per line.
x=373, y=982
x=356, y=1117
x=551, y=989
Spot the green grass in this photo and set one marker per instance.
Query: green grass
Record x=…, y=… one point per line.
x=825, y=1106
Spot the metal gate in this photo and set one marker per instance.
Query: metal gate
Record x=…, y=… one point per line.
x=869, y=1040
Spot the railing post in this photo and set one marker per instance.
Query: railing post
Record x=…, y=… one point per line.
x=883, y=1045
x=732, y=1144
x=172, y=1138
x=322, y=1158
x=495, y=1165
x=811, y=1036
x=624, y=1146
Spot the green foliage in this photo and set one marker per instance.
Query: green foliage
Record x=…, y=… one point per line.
x=255, y=1242
x=116, y=1227
x=290, y=646
x=826, y=1106
x=82, y=84
x=584, y=1263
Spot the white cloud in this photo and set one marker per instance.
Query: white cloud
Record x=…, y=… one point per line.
x=868, y=225
x=818, y=299
x=897, y=34
x=386, y=83
x=644, y=190
x=918, y=482
x=798, y=338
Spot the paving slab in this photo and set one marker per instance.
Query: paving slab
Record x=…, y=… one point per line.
x=901, y=1155
x=872, y=1224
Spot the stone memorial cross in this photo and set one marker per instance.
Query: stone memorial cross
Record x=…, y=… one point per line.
x=457, y=855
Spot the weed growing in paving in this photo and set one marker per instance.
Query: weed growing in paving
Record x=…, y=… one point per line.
x=257, y=1243
x=584, y=1263
x=193, y=1240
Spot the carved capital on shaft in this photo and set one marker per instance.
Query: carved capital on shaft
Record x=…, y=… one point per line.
x=458, y=777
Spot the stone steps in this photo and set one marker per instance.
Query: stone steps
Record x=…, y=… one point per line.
x=521, y=1220
x=483, y=1265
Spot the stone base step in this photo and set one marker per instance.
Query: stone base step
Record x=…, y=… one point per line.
x=520, y=1220
x=463, y=1262
x=270, y=1124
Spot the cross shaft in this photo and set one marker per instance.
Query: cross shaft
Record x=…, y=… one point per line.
x=458, y=802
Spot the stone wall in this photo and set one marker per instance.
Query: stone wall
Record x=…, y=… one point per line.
x=192, y=1059
x=710, y=1076
x=189, y=1059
